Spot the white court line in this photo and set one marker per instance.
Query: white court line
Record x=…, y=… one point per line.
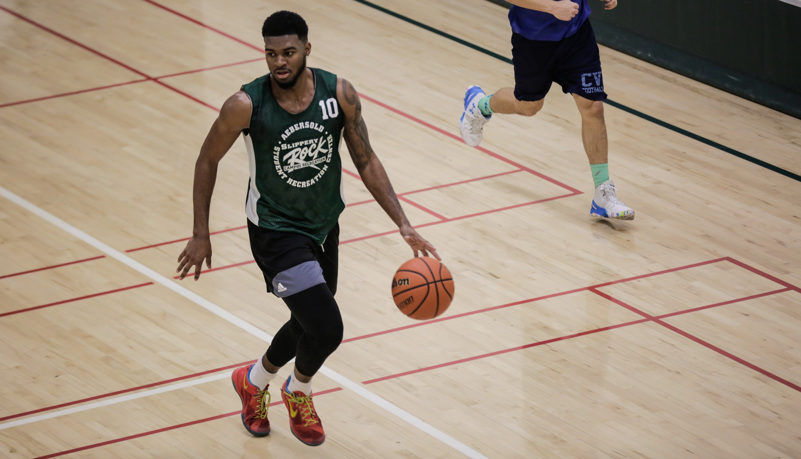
x=113, y=401
x=223, y=314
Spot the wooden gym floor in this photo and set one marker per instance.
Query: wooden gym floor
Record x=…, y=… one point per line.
x=675, y=335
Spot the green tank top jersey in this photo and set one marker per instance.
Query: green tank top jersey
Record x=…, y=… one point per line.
x=295, y=168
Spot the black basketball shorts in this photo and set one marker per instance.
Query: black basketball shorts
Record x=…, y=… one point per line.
x=293, y=262
x=574, y=63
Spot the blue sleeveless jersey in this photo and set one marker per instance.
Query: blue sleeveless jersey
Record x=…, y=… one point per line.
x=536, y=25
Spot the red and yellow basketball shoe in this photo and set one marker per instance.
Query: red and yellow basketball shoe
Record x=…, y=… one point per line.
x=303, y=420
x=255, y=403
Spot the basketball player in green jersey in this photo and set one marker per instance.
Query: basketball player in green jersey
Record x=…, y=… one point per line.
x=292, y=121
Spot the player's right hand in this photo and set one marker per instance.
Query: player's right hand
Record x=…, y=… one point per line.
x=565, y=10
x=197, y=249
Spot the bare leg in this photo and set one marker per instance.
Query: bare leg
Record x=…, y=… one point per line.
x=503, y=101
x=593, y=129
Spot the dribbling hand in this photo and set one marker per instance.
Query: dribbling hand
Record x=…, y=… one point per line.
x=418, y=244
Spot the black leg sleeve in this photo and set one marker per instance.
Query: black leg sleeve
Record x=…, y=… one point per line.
x=313, y=332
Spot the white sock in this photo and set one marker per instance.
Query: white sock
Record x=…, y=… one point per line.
x=260, y=377
x=293, y=385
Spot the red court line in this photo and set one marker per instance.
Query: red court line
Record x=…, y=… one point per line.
x=462, y=182
x=435, y=187
x=167, y=429
x=395, y=110
x=447, y=318
x=621, y=303
x=464, y=314
x=404, y=198
x=456, y=316
x=461, y=217
x=706, y=344
x=103, y=256
x=368, y=98
x=371, y=236
x=513, y=206
x=72, y=93
x=54, y=266
x=731, y=356
x=423, y=208
x=205, y=69
x=723, y=303
x=566, y=292
x=116, y=85
x=133, y=437
x=126, y=391
x=74, y=42
x=105, y=56
x=184, y=239
x=646, y=318
x=388, y=107
x=121, y=289
x=483, y=150
x=501, y=158
x=442, y=220
x=763, y=274
x=186, y=94
x=417, y=120
x=195, y=21
x=234, y=265
x=503, y=351
x=352, y=174
x=375, y=101
x=665, y=271
x=71, y=300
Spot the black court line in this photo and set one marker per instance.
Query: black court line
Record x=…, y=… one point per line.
x=612, y=103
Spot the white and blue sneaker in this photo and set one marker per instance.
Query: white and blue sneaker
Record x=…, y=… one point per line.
x=472, y=122
x=607, y=205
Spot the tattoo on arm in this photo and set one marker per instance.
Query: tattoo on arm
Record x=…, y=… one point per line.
x=351, y=96
x=364, y=158
x=356, y=129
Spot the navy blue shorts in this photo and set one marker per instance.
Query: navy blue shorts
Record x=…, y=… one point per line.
x=278, y=251
x=574, y=63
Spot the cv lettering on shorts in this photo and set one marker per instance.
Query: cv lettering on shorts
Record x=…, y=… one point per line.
x=592, y=82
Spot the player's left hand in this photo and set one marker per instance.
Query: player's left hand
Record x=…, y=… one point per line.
x=418, y=244
x=609, y=4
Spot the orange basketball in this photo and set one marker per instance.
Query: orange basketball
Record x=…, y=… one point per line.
x=422, y=288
